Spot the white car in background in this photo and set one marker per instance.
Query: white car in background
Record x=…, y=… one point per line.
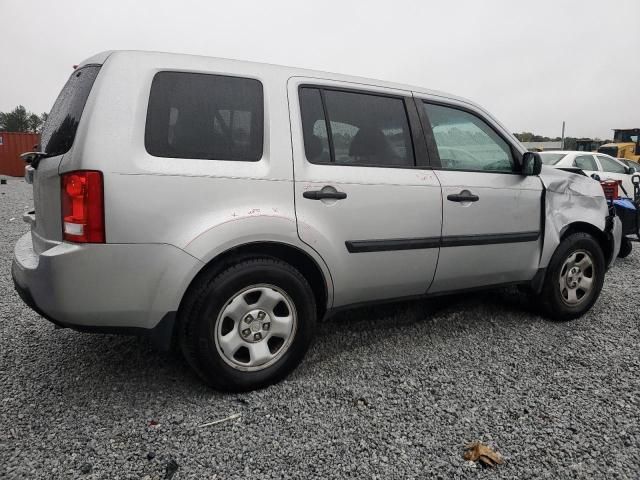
x=604, y=166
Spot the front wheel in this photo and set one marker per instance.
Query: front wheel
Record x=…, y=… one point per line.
x=625, y=248
x=249, y=326
x=574, y=279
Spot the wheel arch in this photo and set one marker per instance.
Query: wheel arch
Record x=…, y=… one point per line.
x=309, y=267
x=600, y=236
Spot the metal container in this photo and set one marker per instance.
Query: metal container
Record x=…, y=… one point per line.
x=12, y=144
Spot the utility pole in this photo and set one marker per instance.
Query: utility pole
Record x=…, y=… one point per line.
x=562, y=144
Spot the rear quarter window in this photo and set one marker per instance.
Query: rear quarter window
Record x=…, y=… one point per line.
x=59, y=131
x=202, y=116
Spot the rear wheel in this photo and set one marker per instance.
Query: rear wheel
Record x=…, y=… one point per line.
x=249, y=326
x=574, y=278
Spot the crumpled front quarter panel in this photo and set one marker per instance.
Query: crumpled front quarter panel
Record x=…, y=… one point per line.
x=569, y=198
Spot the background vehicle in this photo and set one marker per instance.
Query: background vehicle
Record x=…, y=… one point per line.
x=588, y=144
x=605, y=166
x=630, y=163
x=626, y=144
x=227, y=205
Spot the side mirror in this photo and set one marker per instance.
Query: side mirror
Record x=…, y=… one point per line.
x=531, y=163
x=632, y=170
x=637, y=148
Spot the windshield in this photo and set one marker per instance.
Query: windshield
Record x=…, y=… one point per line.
x=552, y=158
x=59, y=131
x=626, y=135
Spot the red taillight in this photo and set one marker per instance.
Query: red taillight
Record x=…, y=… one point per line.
x=83, y=207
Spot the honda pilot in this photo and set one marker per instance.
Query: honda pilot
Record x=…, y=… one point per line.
x=225, y=207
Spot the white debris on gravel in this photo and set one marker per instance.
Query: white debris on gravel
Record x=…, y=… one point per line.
x=385, y=392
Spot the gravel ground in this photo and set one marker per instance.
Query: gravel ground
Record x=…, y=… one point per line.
x=385, y=392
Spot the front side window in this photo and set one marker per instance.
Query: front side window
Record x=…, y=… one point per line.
x=359, y=128
x=609, y=165
x=465, y=142
x=202, y=116
x=585, y=162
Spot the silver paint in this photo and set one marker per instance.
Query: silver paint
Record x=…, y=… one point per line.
x=167, y=218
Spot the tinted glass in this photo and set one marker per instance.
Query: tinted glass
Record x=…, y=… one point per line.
x=465, y=142
x=314, y=127
x=369, y=129
x=365, y=129
x=585, y=162
x=552, y=158
x=192, y=115
x=59, y=131
x=609, y=165
x=626, y=135
x=613, y=151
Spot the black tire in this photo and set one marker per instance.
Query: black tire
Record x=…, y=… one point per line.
x=625, y=248
x=553, y=304
x=204, y=302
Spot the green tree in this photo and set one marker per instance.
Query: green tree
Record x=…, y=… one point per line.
x=15, y=121
x=21, y=120
x=524, y=136
x=35, y=123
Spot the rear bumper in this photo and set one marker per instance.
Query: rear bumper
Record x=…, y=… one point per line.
x=110, y=288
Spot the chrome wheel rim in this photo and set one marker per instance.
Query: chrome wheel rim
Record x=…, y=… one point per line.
x=255, y=327
x=577, y=278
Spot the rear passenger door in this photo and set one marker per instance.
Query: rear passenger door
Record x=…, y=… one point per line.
x=491, y=214
x=366, y=200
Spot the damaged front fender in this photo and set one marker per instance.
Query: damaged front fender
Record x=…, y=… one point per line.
x=577, y=202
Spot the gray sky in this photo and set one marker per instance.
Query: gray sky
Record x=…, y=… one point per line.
x=532, y=64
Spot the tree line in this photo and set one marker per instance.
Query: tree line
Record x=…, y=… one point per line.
x=570, y=143
x=21, y=120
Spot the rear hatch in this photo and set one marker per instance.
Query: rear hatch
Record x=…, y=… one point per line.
x=58, y=135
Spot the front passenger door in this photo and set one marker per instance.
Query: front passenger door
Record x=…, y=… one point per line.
x=491, y=225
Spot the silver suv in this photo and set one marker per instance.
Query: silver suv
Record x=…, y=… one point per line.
x=225, y=206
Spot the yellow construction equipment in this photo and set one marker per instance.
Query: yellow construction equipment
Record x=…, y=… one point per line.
x=626, y=144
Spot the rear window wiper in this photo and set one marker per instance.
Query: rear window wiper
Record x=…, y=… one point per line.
x=33, y=158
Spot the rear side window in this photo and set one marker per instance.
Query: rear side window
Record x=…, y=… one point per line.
x=314, y=126
x=59, y=131
x=359, y=129
x=202, y=116
x=610, y=165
